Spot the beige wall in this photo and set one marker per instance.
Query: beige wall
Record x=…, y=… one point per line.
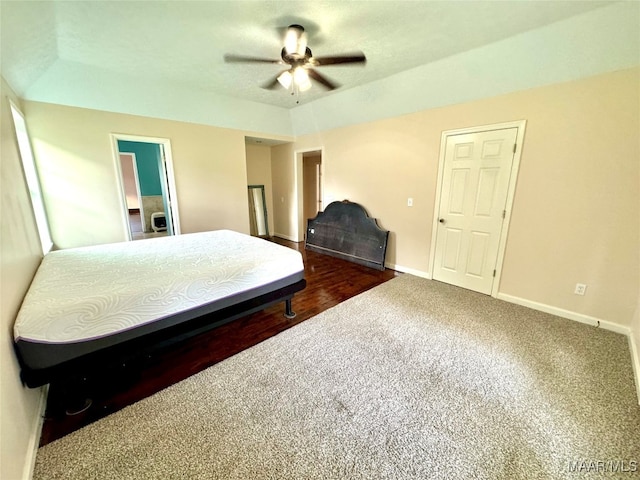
x=259, y=173
x=75, y=153
x=20, y=256
x=576, y=211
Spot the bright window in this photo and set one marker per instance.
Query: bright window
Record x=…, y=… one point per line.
x=31, y=176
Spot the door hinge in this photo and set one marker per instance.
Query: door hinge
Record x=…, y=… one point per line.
x=515, y=146
x=494, y=273
x=504, y=214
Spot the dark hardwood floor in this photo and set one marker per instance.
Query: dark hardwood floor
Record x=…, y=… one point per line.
x=329, y=282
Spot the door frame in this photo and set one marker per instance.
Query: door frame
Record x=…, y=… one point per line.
x=134, y=164
x=298, y=172
x=167, y=172
x=515, y=166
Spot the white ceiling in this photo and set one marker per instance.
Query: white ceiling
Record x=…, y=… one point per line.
x=182, y=43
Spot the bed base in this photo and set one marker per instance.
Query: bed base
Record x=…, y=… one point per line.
x=73, y=384
x=95, y=363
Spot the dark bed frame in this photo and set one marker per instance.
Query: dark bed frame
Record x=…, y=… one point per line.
x=345, y=230
x=83, y=362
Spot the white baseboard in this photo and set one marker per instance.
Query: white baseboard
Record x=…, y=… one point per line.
x=34, y=440
x=560, y=312
x=635, y=362
x=411, y=271
x=286, y=237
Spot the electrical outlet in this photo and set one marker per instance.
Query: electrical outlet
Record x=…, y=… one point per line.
x=409, y=202
x=581, y=289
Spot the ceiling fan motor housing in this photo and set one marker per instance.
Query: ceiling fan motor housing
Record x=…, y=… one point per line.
x=295, y=59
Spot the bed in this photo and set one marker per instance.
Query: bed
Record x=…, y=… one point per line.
x=345, y=230
x=91, y=307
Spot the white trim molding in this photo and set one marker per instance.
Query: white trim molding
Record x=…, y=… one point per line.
x=34, y=439
x=634, y=348
x=560, y=312
x=286, y=237
x=411, y=271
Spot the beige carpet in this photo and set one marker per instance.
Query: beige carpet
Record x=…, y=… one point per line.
x=413, y=379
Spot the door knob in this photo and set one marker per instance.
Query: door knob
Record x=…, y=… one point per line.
x=441, y=220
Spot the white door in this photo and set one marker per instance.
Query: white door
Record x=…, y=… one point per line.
x=473, y=195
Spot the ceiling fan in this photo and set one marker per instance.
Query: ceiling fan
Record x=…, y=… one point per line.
x=300, y=62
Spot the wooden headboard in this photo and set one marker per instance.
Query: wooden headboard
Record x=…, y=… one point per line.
x=344, y=230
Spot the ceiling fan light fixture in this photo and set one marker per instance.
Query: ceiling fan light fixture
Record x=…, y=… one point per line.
x=301, y=79
x=285, y=79
x=295, y=40
x=302, y=45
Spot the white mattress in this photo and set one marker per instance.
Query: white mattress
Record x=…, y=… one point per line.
x=91, y=292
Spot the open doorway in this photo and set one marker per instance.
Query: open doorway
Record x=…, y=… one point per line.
x=147, y=186
x=312, y=181
x=308, y=179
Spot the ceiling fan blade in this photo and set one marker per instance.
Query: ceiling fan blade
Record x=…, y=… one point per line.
x=271, y=84
x=230, y=58
x=337, y=59
x=322, y=79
